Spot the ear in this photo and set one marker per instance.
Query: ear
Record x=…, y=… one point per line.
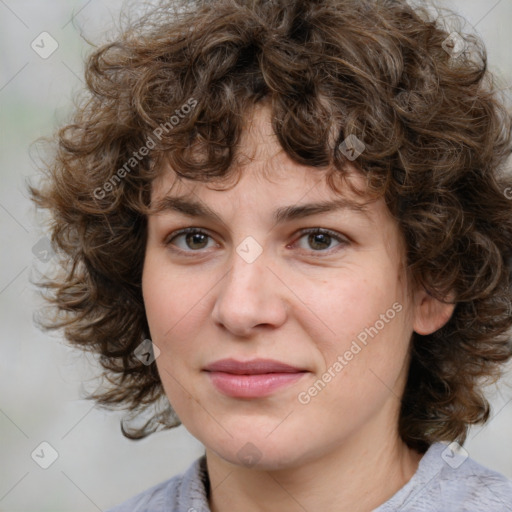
x=431, y=314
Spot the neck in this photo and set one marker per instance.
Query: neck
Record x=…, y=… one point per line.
x=357, y=477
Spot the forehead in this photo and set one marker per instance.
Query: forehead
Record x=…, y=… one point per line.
x=271, y=203
x=293, y=193
x=262, y=166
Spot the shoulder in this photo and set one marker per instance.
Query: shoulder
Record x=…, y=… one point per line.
x=184, y=492
x=150, y=499
x=471, y=485
x=448, y=479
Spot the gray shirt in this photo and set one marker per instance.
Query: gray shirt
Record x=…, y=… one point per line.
x=445, y=481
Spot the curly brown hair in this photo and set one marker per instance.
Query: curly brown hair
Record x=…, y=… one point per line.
x=437, y=135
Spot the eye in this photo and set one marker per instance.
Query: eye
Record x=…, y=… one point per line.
x=321, y=239
x=193, y=240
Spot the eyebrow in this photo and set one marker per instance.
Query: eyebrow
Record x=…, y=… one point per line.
x=193, y=208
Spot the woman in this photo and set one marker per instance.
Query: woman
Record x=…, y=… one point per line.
x=285, y=222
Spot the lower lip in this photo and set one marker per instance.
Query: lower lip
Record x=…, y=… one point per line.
x=252, y=386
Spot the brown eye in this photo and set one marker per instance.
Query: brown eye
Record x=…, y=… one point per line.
x=190, y=240
x=196, y=240
x=321, y=240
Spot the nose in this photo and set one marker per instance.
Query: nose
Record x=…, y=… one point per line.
x=250, y=296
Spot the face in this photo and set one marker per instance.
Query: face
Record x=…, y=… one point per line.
x=323, y=292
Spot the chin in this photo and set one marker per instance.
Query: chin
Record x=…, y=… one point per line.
x=259, y=453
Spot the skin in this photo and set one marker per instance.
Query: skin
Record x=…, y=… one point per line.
x=299, y=302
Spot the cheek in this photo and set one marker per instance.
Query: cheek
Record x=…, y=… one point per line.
x=370, y=344
x=364, y=346
x=171, y=304
x=171, y=297
x=177, y=303
x=353, y=300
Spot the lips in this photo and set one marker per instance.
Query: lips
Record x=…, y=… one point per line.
x=253, y=367
x=252, y=379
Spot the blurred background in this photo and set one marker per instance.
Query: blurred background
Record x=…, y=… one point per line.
x=89, y=464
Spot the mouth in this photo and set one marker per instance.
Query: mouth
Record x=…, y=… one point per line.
x=252, y=379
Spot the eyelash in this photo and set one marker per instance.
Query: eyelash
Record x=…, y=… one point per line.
x=343, y=241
